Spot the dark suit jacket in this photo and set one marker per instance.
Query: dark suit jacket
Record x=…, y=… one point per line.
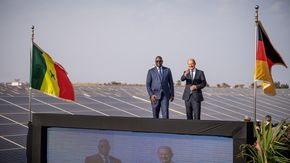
x=199, y=80
x=98, y=159
x=155, y=85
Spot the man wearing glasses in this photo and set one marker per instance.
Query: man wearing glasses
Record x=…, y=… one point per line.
x=192, y=95
x=160, y=88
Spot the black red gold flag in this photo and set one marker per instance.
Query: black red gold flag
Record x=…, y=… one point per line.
x=266, y=57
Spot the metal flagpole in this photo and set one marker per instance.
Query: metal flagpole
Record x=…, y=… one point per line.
x=255, y=82
x=29, y=133
x=30, y=90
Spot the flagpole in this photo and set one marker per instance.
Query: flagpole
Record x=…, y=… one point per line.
x=30, y=89
x=255, y=82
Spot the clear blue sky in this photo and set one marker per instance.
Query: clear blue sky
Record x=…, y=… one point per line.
x=117, y=40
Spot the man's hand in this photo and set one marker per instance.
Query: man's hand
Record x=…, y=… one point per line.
x=186, y=72
x=153, y=99
x=193, y=87
x=171, y=98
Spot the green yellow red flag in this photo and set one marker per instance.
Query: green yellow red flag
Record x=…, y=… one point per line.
x=49, y=76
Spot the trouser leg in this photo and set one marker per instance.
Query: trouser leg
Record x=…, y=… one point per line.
x=164, y=107
x=156, y=109
x=196, y=109
x=188, y=109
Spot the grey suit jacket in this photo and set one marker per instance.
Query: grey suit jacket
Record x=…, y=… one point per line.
x=156, y=85
x=199, y=80
x=98, y=159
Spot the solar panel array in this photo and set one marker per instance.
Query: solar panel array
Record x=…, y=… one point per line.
x=127, y=101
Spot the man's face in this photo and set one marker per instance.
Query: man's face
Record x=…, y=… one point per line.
x=165, y=155
x=104, y=147
x=190, y=64
x=158, y=62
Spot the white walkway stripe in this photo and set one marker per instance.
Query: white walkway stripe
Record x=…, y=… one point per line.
x=13, y=121
x=15, y=105
x=127, y=92
x=95, y=92
x=12, y=142
x=139, y=98
x=272, y=102
x=90, y=109
x=131, y=104
x=58, y=108
x=14, y=135
x=218, y=113
x=251, y=107
x=183, y=106
x=223, y=109
x=9, y=95
x=270, y=108
x=226, y=109
x=233, y=117
x=282, y=99
x=142, y=99
x=15, y=92
x=207, y=108
x=234, y=106
x=113, y=107
x=11, y=149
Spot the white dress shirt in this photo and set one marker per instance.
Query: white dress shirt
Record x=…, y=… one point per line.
x=192, y=73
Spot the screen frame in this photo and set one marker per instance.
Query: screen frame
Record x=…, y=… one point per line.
x=240, y=132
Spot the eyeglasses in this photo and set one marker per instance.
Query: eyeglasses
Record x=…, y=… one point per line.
x=158, y=61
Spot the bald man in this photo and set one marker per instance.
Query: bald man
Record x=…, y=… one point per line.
x=192, y=95
x=103, y=155
x=165, y=154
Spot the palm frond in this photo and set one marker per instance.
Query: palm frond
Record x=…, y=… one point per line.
x=272, y=145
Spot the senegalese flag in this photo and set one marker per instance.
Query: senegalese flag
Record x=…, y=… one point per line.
x=266, y=57
x=49, y=76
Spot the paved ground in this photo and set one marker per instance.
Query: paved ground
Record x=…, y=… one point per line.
x=127, y=101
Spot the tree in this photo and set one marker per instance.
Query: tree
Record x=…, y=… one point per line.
x=258, y=86
x=277, y=85
x=116, y=83
x=239, y=86
x=284, y=86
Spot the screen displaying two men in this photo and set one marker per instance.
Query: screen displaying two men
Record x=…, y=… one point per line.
x=104, y=146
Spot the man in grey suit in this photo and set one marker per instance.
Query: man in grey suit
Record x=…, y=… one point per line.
x=103, y=155
x=159, y=84
x=192, y=95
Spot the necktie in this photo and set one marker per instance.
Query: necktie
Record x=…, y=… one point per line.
x=191, y=74
x=160, y=72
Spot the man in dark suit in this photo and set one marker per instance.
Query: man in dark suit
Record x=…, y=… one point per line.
x=103, y=155
x=160, y=88
x=192, y=95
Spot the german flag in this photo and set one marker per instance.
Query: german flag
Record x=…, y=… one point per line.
x=266, y=57
x=49, y=76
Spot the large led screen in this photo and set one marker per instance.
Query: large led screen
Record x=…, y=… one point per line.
x=72, y=145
